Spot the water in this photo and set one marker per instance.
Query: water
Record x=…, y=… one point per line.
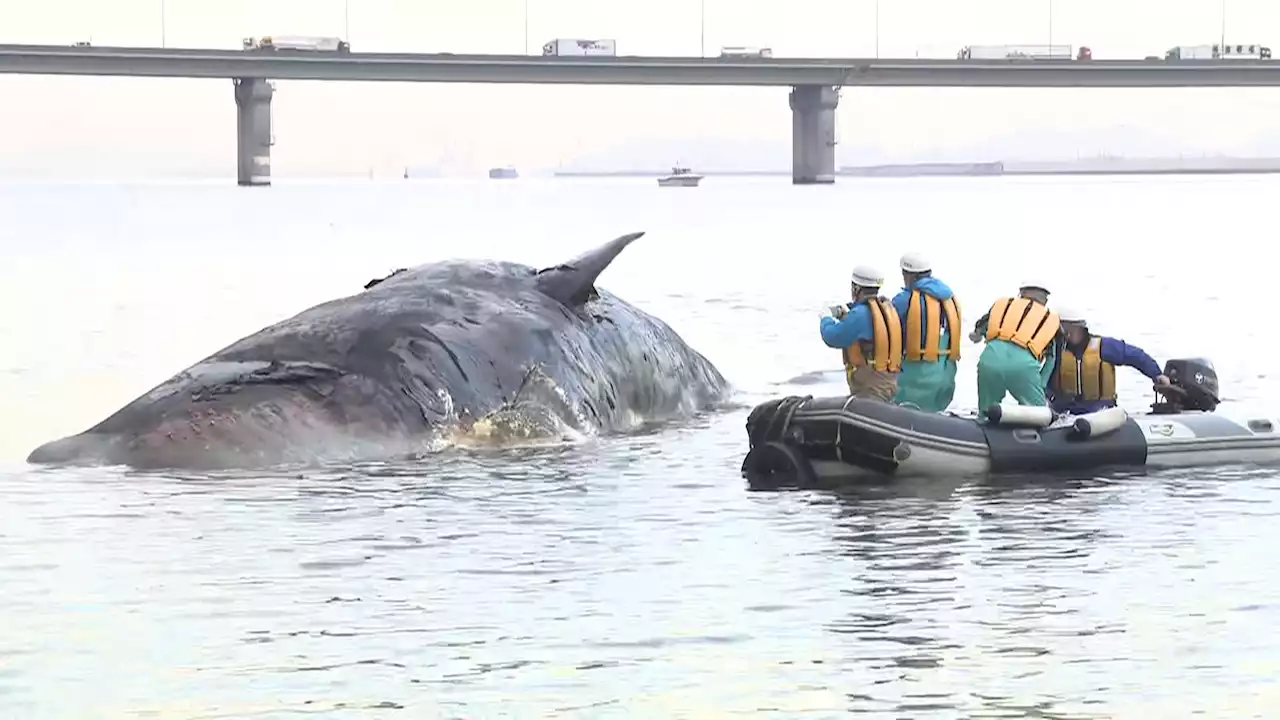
x=631, y=577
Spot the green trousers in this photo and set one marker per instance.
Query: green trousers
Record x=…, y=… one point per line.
x=927, y=386
x=1006, y=368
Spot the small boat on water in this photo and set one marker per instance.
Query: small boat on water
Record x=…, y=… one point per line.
x=680, y=177
x=823, y=442
x=503, y=173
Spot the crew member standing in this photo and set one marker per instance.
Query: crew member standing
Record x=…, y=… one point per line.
x=930, y=322
x=868, y=333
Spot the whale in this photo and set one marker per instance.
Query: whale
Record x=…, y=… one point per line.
x=415, y=362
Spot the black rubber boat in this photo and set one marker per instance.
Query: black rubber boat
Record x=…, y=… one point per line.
x=820, y=442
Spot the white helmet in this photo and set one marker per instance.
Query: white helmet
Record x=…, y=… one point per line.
x=915, y=263
x=1068, y=314
x=867, y=276
x=1034, y=286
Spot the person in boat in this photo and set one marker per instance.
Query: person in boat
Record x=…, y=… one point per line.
x=1084, y=379
x=1020, y=334
x=868, y=332
x=930, y=317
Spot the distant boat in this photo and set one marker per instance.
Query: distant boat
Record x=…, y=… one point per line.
x=680, y=177
x=503, y=173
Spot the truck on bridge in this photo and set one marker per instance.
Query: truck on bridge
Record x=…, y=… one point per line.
x=290, y=43
x=1219, y=52
x=1023, y=52
x=745, y=52
x=562, y=47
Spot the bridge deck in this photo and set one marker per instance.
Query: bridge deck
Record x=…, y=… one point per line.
x=631, y=70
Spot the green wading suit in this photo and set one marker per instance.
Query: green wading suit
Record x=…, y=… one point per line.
x=927, y=385
x=1004, y=367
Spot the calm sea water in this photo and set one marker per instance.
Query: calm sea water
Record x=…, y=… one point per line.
x=630, y=577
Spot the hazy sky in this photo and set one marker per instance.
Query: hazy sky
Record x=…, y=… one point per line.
x=154, y=125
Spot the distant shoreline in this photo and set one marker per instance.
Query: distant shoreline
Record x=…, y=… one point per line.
x=1103, y=166
x=1089, y=167
x=664, y=173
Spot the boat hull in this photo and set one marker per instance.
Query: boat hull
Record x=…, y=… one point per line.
x=680, y=181
x=824, y=441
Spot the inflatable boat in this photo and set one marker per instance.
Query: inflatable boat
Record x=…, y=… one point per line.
x=817, y=442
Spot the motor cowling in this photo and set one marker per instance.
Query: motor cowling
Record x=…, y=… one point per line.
x=1197, y=381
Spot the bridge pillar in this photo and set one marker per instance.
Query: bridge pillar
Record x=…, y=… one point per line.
x=813, y=134
x=253, y=131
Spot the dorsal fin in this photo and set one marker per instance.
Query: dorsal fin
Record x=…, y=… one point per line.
x=573, y=283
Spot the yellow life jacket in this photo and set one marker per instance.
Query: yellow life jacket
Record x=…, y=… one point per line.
x=1087, y=377
x=1023, y=322
x=925, y=343
x=885, y=348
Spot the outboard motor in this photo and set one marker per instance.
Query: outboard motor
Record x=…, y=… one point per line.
x=1193, y=387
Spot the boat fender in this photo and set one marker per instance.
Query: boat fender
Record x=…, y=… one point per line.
x=901, y=453
x=774, y=465
x=1099, y=423
x=1020, y=416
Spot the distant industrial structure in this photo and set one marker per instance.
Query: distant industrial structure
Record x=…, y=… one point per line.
x=1088, y=166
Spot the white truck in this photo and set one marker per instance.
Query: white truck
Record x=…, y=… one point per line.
x=746, y=52
x=272, y=43
x=563, y=47
x=1219, y=52
x=1023, y=52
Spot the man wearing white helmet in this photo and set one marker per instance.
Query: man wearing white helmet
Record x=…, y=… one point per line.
x=868, y=333
x=930, y=337
x=1084, y=380
x=1020, y=334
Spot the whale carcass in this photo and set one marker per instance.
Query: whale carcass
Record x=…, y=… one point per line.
x=420, y=356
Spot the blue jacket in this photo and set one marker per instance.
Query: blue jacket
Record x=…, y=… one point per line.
x=855, y=325
x=931, y=286
x=1114, y=351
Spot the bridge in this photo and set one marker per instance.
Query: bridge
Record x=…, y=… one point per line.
x=815, y=82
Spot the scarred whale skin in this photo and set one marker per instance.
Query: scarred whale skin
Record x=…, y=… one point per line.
x=416, y=356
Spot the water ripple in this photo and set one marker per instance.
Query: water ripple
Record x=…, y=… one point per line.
x=598, y=581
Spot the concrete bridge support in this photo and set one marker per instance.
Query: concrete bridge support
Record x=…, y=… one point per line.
x=253, y=131
x=813, y=134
